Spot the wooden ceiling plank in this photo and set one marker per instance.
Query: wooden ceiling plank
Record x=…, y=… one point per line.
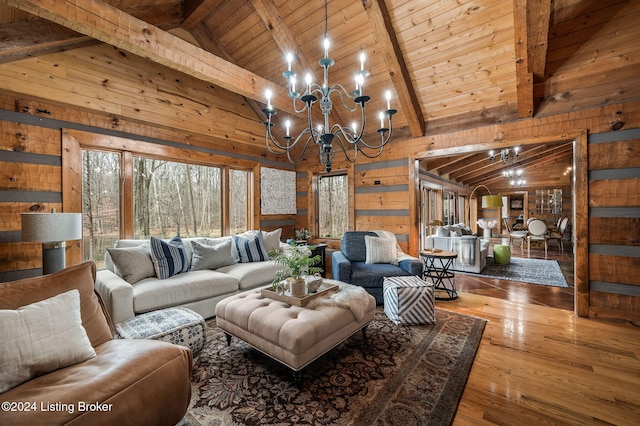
x=286, y=41
x=397, y=68
x=113, y=26
x=538, y=16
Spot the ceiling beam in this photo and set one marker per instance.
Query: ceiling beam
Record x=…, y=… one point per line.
x=531, y=36
x=284, y=38
x=40, y=36
x=387, y=40
x=115, y=27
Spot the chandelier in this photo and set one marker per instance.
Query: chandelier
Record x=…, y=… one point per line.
x=505, y=155
x=509, y=174
x=323, y=134
x=518, y=183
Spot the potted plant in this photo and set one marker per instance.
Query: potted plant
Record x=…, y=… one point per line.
x=302, y=234
x=296, y=262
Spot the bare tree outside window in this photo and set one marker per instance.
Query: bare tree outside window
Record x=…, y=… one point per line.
x=333, y=206
x=170, y=198
x=100, y=203
x=176, y=199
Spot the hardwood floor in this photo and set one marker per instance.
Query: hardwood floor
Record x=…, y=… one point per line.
x=555, y=297
x=540, y=364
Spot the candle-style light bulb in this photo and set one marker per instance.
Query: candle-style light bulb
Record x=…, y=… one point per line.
x=268, y=94
x=308, y=79
x=326, y=44
x=289, y=60
x=388, y=96
x=287, y=126
x=293, y=84
x=362, y=58
x=353, y=126
x=381, y=115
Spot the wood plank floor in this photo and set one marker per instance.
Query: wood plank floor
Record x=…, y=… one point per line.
x=540, y=364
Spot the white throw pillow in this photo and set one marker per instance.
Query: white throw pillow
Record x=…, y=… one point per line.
x=272, y=239
x=40, y=338
x=380, y=250
x=132, y=264
x=211, y=257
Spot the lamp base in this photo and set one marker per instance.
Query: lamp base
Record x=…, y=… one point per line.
x=53, y=257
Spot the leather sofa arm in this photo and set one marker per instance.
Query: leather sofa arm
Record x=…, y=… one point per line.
x=116, y=294
x=340, y=267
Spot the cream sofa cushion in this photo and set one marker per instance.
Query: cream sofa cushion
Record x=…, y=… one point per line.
x=150, y=294
x=252, y=274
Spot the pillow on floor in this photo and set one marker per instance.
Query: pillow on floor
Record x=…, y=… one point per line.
x=40, y=338
x=250, y=249
x=132, y=264
x=380, y=250
x=169, y=258
x=211, y=257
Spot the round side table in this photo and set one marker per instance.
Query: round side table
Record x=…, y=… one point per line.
x=439, y=272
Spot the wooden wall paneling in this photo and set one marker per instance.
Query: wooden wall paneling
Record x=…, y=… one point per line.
x=614, y=268
x=20, y=137
x=72, y=190
x=624, y=231
x=614, y=155
x=31, y=177
x=614, y=192
x=247, y=148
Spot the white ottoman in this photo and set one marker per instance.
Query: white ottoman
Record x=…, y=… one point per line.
x=409, y=300
x=180, y=326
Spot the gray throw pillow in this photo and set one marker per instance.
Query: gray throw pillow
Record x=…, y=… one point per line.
x=132, y=263
x=211, y=257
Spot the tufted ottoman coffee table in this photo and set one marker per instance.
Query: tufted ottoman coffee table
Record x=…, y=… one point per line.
x=295, y=335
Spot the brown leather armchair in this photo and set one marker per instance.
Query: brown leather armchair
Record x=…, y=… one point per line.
x=141, y=382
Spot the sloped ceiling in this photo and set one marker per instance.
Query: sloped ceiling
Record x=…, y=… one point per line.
x=449, y=64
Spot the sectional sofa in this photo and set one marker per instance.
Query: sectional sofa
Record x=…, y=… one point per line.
x=130, y=284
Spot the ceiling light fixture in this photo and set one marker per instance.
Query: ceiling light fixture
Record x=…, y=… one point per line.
x=324, y=135
x=518, y=183
x=505, y=155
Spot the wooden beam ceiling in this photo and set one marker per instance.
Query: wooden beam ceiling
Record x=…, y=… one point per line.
x=40, y=36
x=115, y=27
x=398, y=71
x=531, y=36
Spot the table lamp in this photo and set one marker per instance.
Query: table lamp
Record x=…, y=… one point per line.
x=52, y=230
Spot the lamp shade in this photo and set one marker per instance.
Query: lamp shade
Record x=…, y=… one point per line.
x=491, y=201
x=51, y=227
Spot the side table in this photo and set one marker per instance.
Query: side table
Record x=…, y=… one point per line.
x=440, y=274
x=319, y=249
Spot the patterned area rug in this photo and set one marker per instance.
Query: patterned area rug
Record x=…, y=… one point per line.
x=533, y=271
x=399, y=375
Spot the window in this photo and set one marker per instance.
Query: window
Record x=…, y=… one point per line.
x=176, y=199
x=130, y=196
x=449, y=207
x=239, y=202
x=100, y=203
x=333, y=205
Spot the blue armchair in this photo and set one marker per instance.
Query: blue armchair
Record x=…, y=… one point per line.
x=348, y=265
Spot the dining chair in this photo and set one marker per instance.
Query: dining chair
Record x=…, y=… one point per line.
x=537, y=232
x=515, y=235
x=559, y=233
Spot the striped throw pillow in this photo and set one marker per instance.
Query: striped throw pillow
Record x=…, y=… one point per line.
x=169, y=258
x=250, y=249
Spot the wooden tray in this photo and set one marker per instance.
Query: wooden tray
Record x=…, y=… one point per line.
x=325, y=288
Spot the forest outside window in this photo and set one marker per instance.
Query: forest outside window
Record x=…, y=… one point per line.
x=333, y=205
x=169, y=198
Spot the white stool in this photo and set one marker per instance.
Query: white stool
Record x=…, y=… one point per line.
x=409, y=300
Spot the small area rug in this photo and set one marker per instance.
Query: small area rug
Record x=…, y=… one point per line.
x=533, y=271
x=399, y=375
